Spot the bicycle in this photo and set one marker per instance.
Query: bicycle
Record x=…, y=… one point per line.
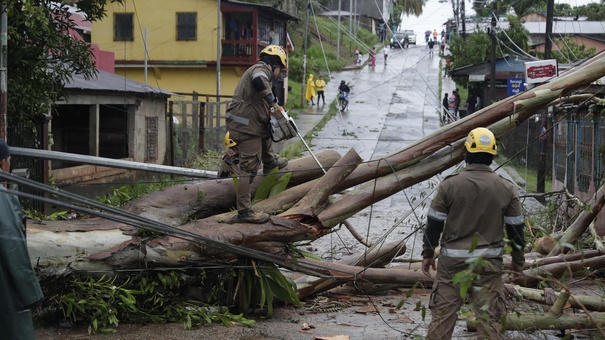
x=343, y=101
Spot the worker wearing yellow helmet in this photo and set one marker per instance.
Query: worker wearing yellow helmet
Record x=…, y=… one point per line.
x=248, y=117
x=467, y=218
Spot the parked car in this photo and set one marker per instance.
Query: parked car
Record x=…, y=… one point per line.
x=411, y=36
x=397, y=40
x=399, y=37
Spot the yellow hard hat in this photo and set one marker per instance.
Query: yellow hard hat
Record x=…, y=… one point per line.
x=481, y=140
x=228, y=141
x=276, y=51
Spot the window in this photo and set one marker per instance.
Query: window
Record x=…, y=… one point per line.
x=186, y=26
x=123, y=26
x=151, y=126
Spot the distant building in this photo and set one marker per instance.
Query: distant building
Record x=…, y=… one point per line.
x=173, y=45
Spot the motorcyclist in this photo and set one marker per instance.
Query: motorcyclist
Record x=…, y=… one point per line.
x=344, y=90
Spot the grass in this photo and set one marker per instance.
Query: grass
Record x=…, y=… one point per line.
x=529, y=175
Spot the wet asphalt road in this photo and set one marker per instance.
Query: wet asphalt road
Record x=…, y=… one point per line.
x=391, y=106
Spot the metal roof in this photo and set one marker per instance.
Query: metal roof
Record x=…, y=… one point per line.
x=268, y=8
x=506, y=64
x=109, y=82
x=562, y=27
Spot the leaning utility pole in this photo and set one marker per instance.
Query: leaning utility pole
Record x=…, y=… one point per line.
x=3, y=74
x=492, y=64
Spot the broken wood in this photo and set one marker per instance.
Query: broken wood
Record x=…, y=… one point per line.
x=548, y=296
x=378, y=257
x=580, y=225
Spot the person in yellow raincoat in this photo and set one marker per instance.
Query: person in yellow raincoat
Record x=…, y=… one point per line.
x=310, y=93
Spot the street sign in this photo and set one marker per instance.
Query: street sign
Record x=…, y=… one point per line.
x=540, y=71
x=515, y=86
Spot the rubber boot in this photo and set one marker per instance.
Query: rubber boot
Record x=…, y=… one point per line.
x=279, y=162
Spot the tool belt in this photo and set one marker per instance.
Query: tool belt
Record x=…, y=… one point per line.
x=281, y=127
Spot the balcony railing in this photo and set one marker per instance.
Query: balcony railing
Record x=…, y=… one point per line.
x=238, y=52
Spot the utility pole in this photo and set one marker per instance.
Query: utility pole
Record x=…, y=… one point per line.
x=492, y=64
x=3, y=75
x=350, y=22
x=338, y=37
x=463, y=19
x=218, y=56
x=547, y=37
x=543, y=139
x=304, y=75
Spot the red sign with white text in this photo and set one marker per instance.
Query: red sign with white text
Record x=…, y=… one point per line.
x=540, y=71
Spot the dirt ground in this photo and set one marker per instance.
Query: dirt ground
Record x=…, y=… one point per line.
x=343, y=313
x=340, y=312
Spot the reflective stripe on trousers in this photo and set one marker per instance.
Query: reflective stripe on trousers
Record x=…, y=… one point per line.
x=465, y=253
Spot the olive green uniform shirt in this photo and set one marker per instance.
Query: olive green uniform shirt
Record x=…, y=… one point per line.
x=475, y=203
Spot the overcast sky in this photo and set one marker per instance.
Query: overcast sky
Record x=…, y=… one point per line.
x=436, y=13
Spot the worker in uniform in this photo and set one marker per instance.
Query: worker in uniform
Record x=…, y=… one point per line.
x=248, y=117
x=467, y=218
x=20, y=291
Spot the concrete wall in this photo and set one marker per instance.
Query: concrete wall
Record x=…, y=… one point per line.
x=200, y=80
x=138, y=109
x=158, y=17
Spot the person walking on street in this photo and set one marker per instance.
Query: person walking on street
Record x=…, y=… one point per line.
x=310, y=92
x=444, y=107
x=431, y=44
x=451, y=108
x=442, y=47
x=248, y=117
x=435, y=34
x=356, y=55
x=320, y=85
x=471, y=209
x=457, y=103
x=373, y=56
x=21, y=290
x=471, y=103
x=385, y=51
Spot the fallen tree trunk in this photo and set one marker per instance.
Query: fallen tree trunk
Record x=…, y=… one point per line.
x=378, y=257
x=566, y=270
x=553, y=319
x=580, y=225
x=293, y=225
x=548, y=296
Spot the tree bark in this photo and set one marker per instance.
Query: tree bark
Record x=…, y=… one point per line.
x=419, y=161
x=548, y=296
x=580, y=225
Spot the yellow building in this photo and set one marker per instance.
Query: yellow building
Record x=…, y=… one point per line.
x=180, y=38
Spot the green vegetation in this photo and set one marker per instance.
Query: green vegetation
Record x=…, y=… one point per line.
x=529, y=175
x=156, y=297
